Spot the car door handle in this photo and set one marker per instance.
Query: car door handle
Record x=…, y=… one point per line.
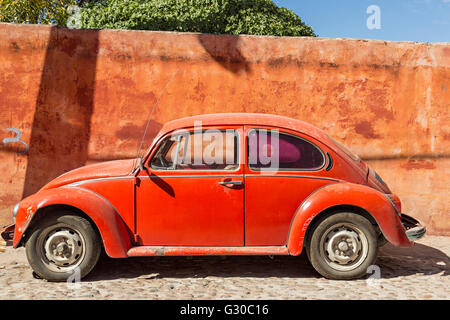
x=233, y=183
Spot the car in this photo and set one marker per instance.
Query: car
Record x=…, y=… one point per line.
x=218, y=184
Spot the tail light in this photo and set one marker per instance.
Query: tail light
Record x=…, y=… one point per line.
x=395, y=201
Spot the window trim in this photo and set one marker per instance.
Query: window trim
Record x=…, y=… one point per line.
x=191, y=132
x=282, y=169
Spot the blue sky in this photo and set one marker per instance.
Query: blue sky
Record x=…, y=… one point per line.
x=401, y=20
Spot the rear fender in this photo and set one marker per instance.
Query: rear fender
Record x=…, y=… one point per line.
x=114, y=234
x=340, y=194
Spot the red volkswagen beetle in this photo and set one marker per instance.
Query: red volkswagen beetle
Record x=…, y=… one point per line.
x=219, y=184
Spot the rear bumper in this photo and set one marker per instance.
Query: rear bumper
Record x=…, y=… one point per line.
x=414, y=228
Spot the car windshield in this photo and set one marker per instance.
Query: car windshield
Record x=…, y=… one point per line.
x=347, y=151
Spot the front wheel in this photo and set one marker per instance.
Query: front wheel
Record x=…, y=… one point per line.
x=343, y=246
x=61, y=246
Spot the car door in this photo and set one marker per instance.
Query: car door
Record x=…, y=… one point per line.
x=192, y=193
x=283, y=168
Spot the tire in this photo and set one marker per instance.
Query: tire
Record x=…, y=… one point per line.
x=342, y=246
x=63, y=246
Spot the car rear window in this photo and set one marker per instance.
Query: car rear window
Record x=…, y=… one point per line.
x=273, y=150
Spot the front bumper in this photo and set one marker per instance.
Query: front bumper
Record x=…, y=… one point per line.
x=414, y=228
x=7, y=233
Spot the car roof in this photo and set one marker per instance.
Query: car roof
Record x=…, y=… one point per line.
x=254, y=119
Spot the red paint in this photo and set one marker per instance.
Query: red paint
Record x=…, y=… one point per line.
x=182, y=251
x=365, y=129
x=115, y=236
x=413, y=164
x=182, y=212
x=401, y=89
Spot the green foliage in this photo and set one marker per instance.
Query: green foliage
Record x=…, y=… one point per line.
x=254, y=17
x=35, y=11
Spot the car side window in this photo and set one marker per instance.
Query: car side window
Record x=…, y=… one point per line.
x=274, y=150
x=198, y=150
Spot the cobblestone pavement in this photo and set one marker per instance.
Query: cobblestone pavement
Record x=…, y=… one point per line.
x=421, y=272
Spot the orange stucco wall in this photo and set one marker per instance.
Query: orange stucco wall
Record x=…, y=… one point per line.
x=79, y=96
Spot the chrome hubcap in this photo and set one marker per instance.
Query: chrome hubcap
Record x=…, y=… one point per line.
x=344, y=246
x=63, y=249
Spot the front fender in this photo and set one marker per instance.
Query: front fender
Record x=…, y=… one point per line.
x=369, y=199
x=113, y=231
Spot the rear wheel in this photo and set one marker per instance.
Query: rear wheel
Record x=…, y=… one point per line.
x=342, y=246
x=63, y=245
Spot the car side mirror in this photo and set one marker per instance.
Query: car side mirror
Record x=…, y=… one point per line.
x=141, y=164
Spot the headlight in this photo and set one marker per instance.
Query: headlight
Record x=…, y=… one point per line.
x=16, y=208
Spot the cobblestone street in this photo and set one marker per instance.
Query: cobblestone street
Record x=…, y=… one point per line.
x=421, y=272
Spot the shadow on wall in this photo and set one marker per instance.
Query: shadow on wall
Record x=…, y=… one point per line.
x=61, y=125
x=225, y=50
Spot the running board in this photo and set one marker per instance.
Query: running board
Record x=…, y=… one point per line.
x=144, y=251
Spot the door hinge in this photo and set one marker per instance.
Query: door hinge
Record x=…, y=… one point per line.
x=137, y=239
